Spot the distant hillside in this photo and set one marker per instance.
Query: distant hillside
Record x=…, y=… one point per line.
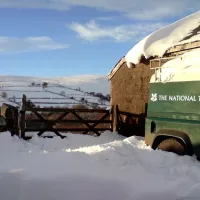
x=88, y=83
x=91, y=91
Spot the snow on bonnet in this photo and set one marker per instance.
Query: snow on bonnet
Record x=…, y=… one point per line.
x=158, y=42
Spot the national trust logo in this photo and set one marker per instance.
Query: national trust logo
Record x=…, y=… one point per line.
x=154, y=97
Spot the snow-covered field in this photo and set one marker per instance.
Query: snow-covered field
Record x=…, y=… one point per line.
x=94, y=168
x=89, y=83
x=60, y=91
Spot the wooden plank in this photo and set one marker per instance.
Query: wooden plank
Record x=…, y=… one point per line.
x=184, y=47
x=22, y=123
x=23, y=117
x=49, y=123
x=92, y=128
x=101, y=119
x=24, y=102
x=67, y=110
x=59, y=98
x=55, y=103
x=116, y=68
x=115, y=114
x=16, y=123
x=119, y=118
x=52, y=130
x=40, y=133
x=131, y=114
x=65, y=129
x=39, y=116
x=112, y=117
x=80, y=118
x=29, y=121
x=58, y=134
x=62, y=116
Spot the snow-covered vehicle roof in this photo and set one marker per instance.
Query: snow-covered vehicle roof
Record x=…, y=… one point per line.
x=182, y=68
x=157, y=43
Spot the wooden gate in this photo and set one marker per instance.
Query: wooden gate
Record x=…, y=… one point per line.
x=129, y=124
x=57, y=120
x=81, y=121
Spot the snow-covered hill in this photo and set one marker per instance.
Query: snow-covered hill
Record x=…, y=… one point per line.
x=65, y=91
x=88, y=83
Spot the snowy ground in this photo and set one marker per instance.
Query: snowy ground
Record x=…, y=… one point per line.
x=94, y=168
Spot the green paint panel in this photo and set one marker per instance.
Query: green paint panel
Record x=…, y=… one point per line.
x=175, y=105
x=179, y=100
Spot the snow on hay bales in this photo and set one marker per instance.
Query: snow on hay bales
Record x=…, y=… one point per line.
x=157, y=43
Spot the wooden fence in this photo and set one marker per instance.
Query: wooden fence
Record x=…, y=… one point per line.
x=82, y=121
x=58, y=121
x=128, y=124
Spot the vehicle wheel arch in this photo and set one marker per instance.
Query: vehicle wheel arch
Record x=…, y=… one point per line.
x=181, y=136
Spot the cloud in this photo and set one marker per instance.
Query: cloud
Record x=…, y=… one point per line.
x=35, y=4
x=110, y=18
x=13, y=44
x=92, y=31
x=137, y=9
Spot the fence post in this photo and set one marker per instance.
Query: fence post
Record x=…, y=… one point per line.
x=111, y=118
x=115, y=116
x=23, y=117
x=16, y=118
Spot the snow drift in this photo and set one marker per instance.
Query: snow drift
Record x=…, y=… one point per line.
x=94, y=168
x=158, y=42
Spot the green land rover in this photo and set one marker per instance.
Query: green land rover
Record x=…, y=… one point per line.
x=173, y=114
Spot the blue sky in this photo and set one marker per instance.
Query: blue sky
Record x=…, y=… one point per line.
x=73, y=37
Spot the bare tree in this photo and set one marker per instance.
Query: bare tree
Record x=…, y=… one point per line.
x=4, y=94
x=30, y=104
x=83, y=100
x=95, y=105
x=101, y=101
x=33, y=84
x=62, y=93
x=44, y=85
